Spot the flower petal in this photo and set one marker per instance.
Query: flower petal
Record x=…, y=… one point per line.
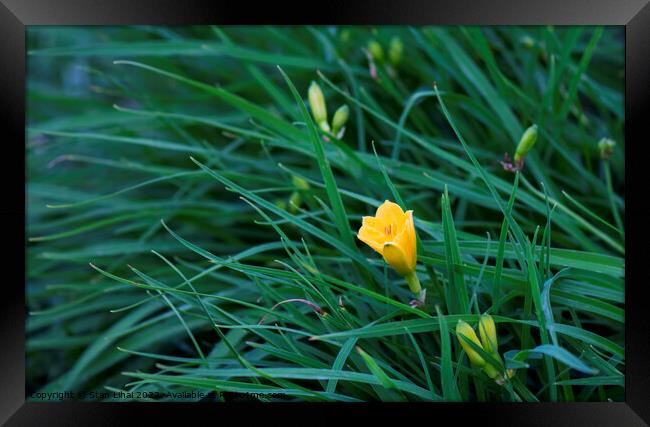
x=372, y=238
x=391, y=213
x=395, y=256
x=404, y=242
x=373, y=222
x=409, y=226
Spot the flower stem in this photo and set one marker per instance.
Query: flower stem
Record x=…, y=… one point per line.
x=414, y=283
x=490, y=371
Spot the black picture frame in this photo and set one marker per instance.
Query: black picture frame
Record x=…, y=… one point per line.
x=15, y=15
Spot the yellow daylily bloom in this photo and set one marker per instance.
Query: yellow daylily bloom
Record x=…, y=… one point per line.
x=391, y=232
x=464, y=330
x=488, y=333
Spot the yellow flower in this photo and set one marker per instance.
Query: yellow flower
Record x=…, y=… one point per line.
x=391, y=232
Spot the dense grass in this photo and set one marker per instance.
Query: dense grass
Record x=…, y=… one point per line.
x=174, y=245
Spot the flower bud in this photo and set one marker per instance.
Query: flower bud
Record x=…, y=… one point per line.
x=340, y=117
x=395, y=50
x=526, y=142
x=465, y=332
x=317, y=105
x=294, y=202
x=606, y=147
x=326, y=128
x=376, y=51
x=491, y=371
x=527, y=41
x=488, y=333
x=299, y=182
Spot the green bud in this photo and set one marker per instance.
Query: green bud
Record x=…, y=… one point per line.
x=317, y=104
x=395, y=50
x=281, y=204
x=300, y=183
x=527, y=41
x=606, y=147
x=324, y=126
x=526, y=142
x=376, y=51
x=294, y=202
x=340, y=118
x=488, y=333
x=345, y=36
x=296, y=198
